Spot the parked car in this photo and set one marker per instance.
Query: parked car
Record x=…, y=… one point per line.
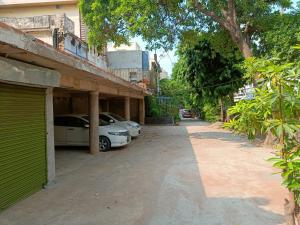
x=112, y=118
x=185, y=113
x=74, y=130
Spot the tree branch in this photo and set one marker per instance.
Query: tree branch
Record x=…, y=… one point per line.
x=211, y=14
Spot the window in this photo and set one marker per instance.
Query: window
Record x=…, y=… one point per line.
x=132, y=77
x=69, y=121
x=104, y=117
x=117, y=117
x=60, y=121
x=75, y=122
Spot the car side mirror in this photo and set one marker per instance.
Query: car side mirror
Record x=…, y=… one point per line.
x=111, y=121
x=86, y=126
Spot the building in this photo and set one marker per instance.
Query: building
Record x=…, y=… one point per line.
x=163, y=75
x=129, y=62
x=41, y=76
x=56, y=22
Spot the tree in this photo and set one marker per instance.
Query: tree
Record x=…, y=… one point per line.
x=162, y=22
x=178, y=90
x=276, y=109
x=210, y=74
x=282, y=32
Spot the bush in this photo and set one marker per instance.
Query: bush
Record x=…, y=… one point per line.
x=210, y=112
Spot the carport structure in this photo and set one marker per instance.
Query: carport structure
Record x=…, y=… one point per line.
x=59, y=75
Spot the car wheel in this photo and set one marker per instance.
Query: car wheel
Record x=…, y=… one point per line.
x=104, y=144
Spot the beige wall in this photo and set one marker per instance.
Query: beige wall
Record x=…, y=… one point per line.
x=71, y=11
x=45, y=36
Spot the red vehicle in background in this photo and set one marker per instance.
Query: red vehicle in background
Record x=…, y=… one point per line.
x=185, y=113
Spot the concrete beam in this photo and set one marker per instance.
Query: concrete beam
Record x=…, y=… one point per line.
x=127, y=108
x=13, y=71
x=94, y=122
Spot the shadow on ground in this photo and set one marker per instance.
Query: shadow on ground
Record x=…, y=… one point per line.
x=164, y=177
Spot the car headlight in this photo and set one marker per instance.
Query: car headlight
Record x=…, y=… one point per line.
x=134, y=126
x=118, y=133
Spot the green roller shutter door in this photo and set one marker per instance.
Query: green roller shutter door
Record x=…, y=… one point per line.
x=22, y=142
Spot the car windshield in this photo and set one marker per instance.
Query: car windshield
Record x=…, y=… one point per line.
x=117, y=117
x=101, y=122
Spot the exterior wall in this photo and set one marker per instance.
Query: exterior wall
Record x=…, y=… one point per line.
x=75, y=46
x=61, y=105
x=45, y=36
x=125, y=73
x=80, y=104
x=71, y=12
x=123, y=62
x=125, y=59
x=117, y=106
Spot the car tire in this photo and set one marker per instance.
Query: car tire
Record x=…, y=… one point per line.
x=104, y=144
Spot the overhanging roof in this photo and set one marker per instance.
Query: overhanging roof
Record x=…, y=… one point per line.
x=76, y=73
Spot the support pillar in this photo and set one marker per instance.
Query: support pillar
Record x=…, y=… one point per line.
x=127, y=108
x=94, y=122
x=142, y=111
x=50, y=137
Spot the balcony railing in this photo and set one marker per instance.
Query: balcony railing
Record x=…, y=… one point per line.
x=45, y=22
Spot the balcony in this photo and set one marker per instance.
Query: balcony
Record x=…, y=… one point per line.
x=40, y=23
x=75, y=46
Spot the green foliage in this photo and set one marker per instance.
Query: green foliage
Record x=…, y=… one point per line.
x=280, y=33
x=275, y=109
x=162, y=107
x=208, y=72
x=211, y=74
x=177, y=90
x=153, y=106
x=161, y=23
x=210, y=112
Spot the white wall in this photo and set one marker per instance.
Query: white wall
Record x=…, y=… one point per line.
x=125, y=59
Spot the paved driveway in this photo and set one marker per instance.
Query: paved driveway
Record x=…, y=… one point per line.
x=192, y=174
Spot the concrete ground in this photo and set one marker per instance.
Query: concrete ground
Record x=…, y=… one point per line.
x=191, y=174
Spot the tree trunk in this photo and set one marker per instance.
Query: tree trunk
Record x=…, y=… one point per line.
x=289, y=209
x=245, y=48
x=297, y=213
x=222, y=109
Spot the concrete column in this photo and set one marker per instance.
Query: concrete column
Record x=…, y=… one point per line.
x=142, y=111
x=50, y=137
x=94, y=122
x=127, y=108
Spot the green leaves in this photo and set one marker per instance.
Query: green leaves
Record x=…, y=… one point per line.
x=275, y=109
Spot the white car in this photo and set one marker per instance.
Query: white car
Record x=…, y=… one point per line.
x=133, y=127
x=74, y=130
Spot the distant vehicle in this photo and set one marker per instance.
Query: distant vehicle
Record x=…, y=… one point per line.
x=112, y=118
x=74, y=130
x=185, y=113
